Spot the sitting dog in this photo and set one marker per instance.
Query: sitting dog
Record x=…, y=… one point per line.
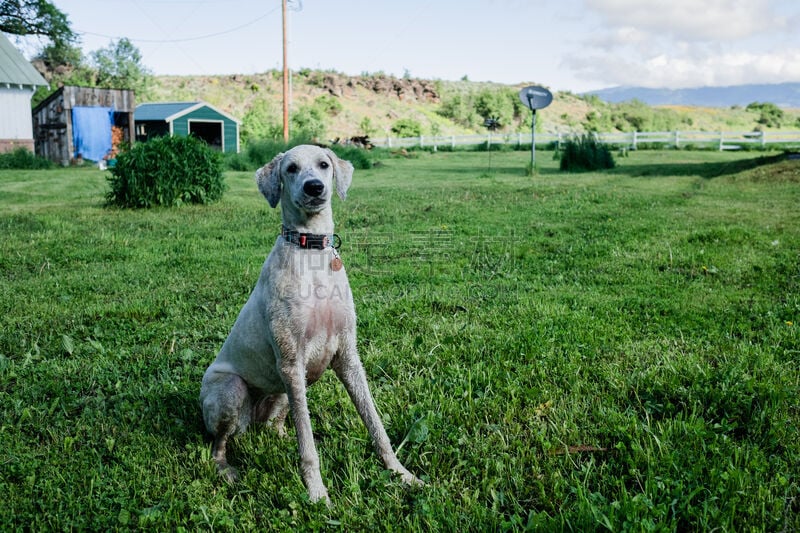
x=299, y=320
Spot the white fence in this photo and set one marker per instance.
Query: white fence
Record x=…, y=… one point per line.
x=720, y=140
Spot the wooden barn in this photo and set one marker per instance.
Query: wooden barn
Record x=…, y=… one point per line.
x=218, y=129
x=18, y=82
x=86, y=123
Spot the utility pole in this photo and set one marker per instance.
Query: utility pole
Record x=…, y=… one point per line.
x=285, y=80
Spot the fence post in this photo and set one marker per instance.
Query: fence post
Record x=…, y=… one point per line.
x=763, y=139
x=453, y=142
x=677, y=139
x=634, y=140
x=721, y=141
x=421, y=141
x=389, y=142
x=558, y=146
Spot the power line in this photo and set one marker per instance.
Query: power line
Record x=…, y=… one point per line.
x=185, y=39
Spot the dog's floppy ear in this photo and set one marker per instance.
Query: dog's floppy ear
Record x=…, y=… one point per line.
x=342, y=173
x=268, y=179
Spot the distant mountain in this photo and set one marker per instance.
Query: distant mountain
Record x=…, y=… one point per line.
x=780, y=94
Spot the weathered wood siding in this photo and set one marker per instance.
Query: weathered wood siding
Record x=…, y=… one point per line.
x=52, y=119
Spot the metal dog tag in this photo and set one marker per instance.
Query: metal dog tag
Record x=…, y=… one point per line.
x=336, y=263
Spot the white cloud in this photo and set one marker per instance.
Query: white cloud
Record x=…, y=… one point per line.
x=692, y=20
x=686, y=70
x=687, y=43
x=624, y=36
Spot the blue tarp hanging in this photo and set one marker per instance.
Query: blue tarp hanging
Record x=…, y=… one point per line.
x=91, y=131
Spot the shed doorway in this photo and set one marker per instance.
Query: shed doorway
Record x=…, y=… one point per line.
x=210, y=132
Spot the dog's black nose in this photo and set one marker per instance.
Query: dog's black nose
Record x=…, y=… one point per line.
x=313, y=187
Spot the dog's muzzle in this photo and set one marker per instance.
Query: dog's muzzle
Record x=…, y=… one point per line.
x=314, y=188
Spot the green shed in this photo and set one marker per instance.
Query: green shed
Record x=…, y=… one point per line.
x=218, y=129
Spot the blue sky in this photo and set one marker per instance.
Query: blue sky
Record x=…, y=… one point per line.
x=575, y=45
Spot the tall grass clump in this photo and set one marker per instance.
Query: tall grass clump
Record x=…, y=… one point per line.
x=167, y=171
x=23, y=159
x=585, y=153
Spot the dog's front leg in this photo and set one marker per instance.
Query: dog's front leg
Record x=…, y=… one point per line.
x=295, y=381
x=351, y=373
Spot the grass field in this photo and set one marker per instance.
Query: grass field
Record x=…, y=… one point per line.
x=616, y=350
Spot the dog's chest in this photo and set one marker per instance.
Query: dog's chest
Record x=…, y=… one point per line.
x=318, y=303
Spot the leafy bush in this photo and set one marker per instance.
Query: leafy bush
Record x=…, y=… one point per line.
x=167, y=171
x=407, y=127
x=22, y=159
x=495, y=104
x=308, y=122
x=632, y=115
x=461, y=110
x=360, y=158
x=259, y=153
x=770, y=115
x=259, y=122
x=330, y=105
x=585, y=153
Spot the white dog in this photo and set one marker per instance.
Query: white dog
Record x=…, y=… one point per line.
x=299, y=319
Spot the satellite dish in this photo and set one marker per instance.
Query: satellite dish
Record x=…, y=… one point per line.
x=535, y=97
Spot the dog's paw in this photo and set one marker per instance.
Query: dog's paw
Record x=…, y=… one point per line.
x=228, y=473
x=278, y=427
x=408, y=478
x=319, y=494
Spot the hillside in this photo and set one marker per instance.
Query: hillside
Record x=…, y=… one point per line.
x=372, y=104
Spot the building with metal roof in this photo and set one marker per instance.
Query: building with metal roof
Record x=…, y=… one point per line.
x=18, y=82
x=215, y=127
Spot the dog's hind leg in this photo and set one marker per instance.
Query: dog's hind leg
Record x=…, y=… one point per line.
x=226, y=412
x=272, y=410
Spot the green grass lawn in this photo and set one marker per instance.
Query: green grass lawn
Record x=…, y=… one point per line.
x=614, y=350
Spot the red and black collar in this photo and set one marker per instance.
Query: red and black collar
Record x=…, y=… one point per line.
x=311, y=241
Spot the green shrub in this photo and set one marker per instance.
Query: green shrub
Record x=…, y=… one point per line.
x=167, y=171
x=261, y=152
x=237, y=162
x=258, y=153
x=360, y=158
x=328, y=104
x=585, y=153
x=770, y=116
x=407, y=127
x=261, y=121
x=22, y=159
x=309, y=122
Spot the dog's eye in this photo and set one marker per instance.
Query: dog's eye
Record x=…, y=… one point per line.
x=323, y=164
x=291, y=169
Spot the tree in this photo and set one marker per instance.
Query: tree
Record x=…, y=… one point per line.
x=119, y=66
x=36, y=17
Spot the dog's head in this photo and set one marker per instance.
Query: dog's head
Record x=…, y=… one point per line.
x=304, y=176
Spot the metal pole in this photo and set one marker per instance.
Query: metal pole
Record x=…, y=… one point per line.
x=533, y=139
x=285, y=80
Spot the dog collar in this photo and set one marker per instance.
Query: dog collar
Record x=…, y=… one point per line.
x=311, y=241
